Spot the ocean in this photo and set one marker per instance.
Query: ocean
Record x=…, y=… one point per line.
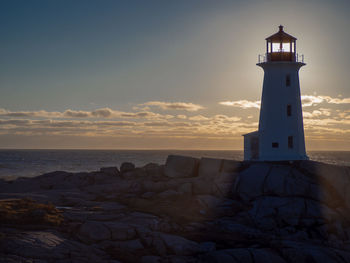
x=28, y=163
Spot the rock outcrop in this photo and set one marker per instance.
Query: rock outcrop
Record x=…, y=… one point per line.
x=188, y=210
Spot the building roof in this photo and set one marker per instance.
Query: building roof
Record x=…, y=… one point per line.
x=254, y=133
x=281, y=36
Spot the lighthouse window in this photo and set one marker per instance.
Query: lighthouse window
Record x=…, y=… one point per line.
x=290, y=142
x=288, y=80
x=275, y=145
x=289, y=110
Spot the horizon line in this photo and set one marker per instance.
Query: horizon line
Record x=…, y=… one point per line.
x=150, y=149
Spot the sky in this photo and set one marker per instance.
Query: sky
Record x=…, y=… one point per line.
x=163, y=74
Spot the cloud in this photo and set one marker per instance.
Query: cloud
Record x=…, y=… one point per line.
x=76, y=114
x=344, y=114
x=225, y=118
x=107, y=113
x=317, y=113
x=104, y=113
x=174, y=105
x=307, y=101
x=63, y=123
x=217, y=126
x=144, y=123
x=198, y=118
x=115, y=123
x=29, y=114
x=143, y=114
x=198, y=126
x=327, y=121
x=244, y=104
x=181, y=116
x=311, y=100
x=337, y=100
x=14, y=122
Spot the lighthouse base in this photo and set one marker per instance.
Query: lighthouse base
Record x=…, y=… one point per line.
x=251, y=151
x=277, y=158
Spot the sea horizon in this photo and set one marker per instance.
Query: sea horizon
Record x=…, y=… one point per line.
x=149, y=149
x=33, y=162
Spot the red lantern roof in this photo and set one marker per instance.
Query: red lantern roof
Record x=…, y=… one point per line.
x=281, y=36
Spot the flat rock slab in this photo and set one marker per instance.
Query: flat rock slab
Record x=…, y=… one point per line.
x=45, y=246
x=209, y=167
x=181, y=166
x=240, y=255
x=250, y=182
x=91, y=232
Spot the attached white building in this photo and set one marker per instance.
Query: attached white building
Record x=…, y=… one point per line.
x=281, y=131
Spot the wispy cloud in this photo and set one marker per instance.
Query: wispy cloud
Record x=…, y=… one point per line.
x=109, y=113
x=24, y=114
x=226, y=118
x=327, y=122
x=327, y=118
x=181, y=116
x=317, y=113
x=343, y=114
x=307, y=101
x=78, y=114
x=174, y=105
x=311, y=100
x=195, y=126
x=244, y=104
x=198, y=118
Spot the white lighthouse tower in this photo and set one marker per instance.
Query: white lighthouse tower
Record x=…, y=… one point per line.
x=281, y=132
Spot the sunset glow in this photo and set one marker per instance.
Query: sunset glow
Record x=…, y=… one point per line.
x=157, y=76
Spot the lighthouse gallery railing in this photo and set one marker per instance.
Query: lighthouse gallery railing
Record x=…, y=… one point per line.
x=262, y=58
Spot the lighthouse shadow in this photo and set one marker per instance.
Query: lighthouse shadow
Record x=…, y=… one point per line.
x=277, y=206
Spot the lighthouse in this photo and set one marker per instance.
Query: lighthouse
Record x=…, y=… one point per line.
x=280, y=136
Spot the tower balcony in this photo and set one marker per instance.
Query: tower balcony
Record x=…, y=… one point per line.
x=281, y=56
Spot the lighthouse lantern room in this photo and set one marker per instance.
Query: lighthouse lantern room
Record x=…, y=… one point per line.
x=281, y=46
x=280, y=136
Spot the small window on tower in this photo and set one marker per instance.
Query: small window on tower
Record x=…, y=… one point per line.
x=288, y=80
x=275, y=145
x=290, y=142
x=289, y=110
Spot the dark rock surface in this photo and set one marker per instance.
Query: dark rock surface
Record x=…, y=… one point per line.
x=188, y=210
x=127, y=167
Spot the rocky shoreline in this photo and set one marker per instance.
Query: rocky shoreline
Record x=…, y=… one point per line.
x=188, y=210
